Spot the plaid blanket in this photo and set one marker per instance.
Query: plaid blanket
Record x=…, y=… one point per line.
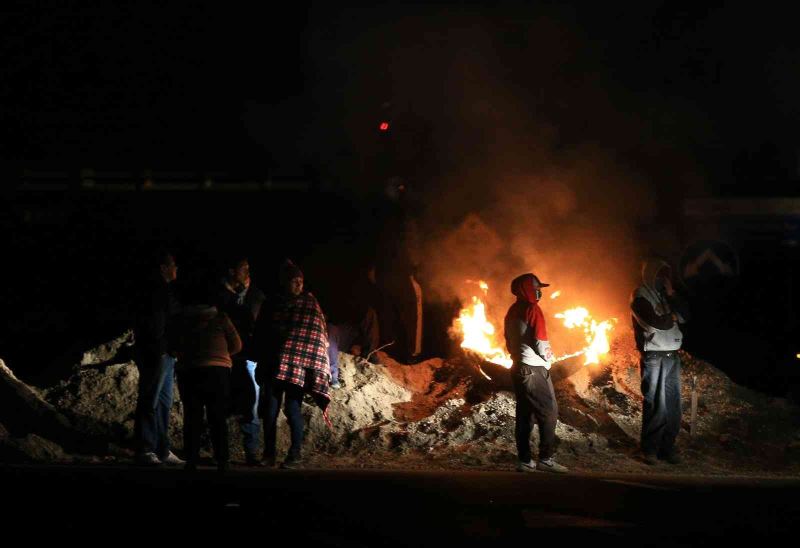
x=303, y=350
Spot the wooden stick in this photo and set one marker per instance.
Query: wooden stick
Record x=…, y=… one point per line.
x=694, y=406
x=379, y=348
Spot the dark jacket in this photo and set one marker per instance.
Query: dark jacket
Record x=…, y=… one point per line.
x=243, y=309
x=656, y=317
x=156, y=307
x=205, y=336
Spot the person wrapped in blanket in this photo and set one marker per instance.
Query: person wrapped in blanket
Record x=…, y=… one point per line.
x=291, y=347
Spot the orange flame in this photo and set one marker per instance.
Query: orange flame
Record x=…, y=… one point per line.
x=596, y=333
x=478, y=334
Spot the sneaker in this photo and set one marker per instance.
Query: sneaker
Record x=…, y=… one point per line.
x=526, y=466
x=550, y=465
x=651, y=459
x=252, y=460
x=335, y=384
x=172, y=460
x=673, y=457
x=148, y=459
x=291, y=463
x=269, y=462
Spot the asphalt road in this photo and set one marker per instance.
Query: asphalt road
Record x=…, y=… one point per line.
x=110, y=504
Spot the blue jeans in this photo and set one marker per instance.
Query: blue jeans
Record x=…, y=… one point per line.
x=154, y=404
x=274, y=393
x=340, y=337
x=250, y=423
x=661, y=413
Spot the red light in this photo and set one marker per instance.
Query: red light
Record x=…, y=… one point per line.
x=384, y=126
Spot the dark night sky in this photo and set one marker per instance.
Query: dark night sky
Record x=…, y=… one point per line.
x=213, y=86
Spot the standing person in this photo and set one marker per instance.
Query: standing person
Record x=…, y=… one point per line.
x=527, y=342
x=291, y=345
x=657, y=310
x=205, y=339
x=157, y=306
x=241, y=301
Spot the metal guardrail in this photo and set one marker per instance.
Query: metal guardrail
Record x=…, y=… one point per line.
x=156, y=181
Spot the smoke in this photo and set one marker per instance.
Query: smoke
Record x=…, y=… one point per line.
x=532, y=147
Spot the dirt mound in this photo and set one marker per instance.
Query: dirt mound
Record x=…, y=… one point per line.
x=454, y=413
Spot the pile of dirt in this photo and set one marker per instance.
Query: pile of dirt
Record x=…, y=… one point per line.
x=456, y=413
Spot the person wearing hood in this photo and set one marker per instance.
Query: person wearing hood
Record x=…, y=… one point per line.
x=205, y=340
x=527, y=342
x=657, y=313
x=291, y=347
x=241, y=300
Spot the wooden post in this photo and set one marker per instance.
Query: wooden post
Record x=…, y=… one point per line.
x=694, y=406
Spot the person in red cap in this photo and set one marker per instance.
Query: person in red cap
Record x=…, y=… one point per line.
x=526, y=340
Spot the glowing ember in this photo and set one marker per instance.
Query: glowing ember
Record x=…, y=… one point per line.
x=555, y=295
x=596, y=333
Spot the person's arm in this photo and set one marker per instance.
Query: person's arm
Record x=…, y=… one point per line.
x=643, y=310
x=539, y=327
x=680, y=307
x=232, y=336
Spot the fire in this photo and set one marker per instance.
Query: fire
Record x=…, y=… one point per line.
x=478, y=335
x=555, y=295
x=596, y=333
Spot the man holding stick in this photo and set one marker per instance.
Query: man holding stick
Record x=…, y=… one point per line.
x=526, y=341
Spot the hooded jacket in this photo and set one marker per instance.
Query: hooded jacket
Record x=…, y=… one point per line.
x=652, y=313
x=525, y=329
x=206, y=337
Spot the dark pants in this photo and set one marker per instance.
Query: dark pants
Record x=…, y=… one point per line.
x=245, y=393
x=273, y=395
x=205, y=389
x=536, y=404
x=661, y=390
x=154, y=403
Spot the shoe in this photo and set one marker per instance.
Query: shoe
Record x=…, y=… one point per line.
x=335, y=384
x=291, y=463
x=529, y=466
x=172, y=460
x=269, y=462
x=672, y=457
x=651, y=459
x=252, y=460
x=148, y=459
x=550, y=465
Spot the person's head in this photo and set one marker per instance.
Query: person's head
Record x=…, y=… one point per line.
x=528, y=287
x=291, y=278
x=238, y=272
x=165, y=262
x=655, y=272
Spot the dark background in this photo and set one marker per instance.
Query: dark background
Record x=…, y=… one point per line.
x=298, y=91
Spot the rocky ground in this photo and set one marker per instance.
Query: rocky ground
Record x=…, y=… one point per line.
x=438, y=414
